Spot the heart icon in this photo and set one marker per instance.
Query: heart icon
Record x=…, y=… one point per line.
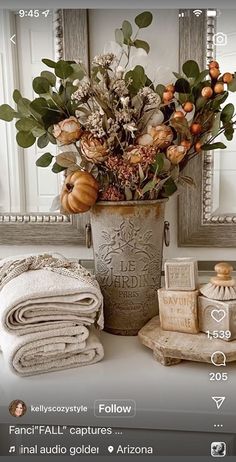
x=218, y=315
x=110, y=449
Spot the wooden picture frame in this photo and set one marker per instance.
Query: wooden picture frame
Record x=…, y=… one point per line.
x=198, y=225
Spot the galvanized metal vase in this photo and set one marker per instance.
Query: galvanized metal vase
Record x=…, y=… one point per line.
x=128, y=247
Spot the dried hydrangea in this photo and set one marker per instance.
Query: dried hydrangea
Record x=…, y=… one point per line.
x=84, y=88
x=127, y=174
x=94, y=124
x=112, y=193
x=124, y=115
x=119, y=87
x=150, y=95
x=104, y=60
x=130, y=127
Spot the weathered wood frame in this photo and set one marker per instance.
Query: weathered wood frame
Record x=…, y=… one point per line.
x=198, y=226
x=46, y=228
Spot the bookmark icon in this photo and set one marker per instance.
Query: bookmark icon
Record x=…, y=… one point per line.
x=218, y=400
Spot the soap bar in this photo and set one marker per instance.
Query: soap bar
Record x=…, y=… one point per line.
x=178, y=310
x=181, y=274
x=217, y=316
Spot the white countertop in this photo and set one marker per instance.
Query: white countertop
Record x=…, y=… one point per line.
x=174, y=397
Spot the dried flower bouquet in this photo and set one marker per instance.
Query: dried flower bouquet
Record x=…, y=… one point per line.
x=133, y=137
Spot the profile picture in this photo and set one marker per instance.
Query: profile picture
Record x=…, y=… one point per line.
x=218, y=449
x=17, y=408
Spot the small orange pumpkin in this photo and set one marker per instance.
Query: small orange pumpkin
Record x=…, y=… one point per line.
x=79, y=192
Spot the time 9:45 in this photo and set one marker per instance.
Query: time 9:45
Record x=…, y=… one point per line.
x=33, y=13
x=221, y=334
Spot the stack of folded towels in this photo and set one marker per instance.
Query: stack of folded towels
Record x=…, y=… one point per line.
x=50, y=310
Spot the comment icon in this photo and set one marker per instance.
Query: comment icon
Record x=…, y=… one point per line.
x=218, y=358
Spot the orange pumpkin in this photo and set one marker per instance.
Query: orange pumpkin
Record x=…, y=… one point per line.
x=79, y=192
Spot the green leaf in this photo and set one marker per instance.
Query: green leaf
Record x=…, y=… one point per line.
x=78, y=72
x=119, y=36
x=229, y=132
x=41, y=85
x=169, y=187
x=182, y=86
x=144, y=19
x=23, y=106
x=25, y=139
x=66, y=159
x=127, y=30
x=7, y=113
x=177, y=75
x=45, y=160
x=232, y=85
x=184, y=97
x=158, y=165
x=149, y=186
x=51, y=78
x=138, y=78
x=26, y=124
x=51, y=138
x=16, y=96
x=142, y=44
x=49, y=62
x=57, y=168
x=210, y=147
x=227, y=113
x=201, y=77
x=128, y=194
x=160, y=89
x=43, y=141
x=191, y=69
x=39, y=105
x=218, y=100
x=200, y=103
x=63, y=69
x=216, y=124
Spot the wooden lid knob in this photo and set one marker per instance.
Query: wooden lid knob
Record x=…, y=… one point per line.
x=224, y=274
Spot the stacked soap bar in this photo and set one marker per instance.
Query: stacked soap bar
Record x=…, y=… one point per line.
x=178, y=301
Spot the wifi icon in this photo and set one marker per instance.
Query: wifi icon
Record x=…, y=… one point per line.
x=197, y=12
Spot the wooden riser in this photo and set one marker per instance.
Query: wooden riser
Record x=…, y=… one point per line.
x=171, y=348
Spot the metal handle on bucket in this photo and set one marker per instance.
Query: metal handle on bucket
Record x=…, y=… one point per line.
x=88, y=235
x=167, y=233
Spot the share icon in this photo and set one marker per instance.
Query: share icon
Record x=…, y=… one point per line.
x=218, y=400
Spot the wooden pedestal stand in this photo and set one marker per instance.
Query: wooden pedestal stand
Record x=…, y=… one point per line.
x=171, y=348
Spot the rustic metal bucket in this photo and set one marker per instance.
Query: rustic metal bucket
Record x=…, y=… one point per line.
x=128, y=247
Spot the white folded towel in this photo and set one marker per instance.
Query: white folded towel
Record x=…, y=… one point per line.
x=55, y=293
x=50, y=351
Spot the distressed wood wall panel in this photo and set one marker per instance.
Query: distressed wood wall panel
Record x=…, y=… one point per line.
x=76, y=36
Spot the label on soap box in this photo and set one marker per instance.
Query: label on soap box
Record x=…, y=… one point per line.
x=181, y=274
x=178, y=310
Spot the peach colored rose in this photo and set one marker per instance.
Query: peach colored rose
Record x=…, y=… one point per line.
x=133, y=154
x=175, y=154
x=67, y=131
x=94, y=149
x=162, y=135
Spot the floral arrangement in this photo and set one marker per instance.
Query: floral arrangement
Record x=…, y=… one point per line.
x=122, y=136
